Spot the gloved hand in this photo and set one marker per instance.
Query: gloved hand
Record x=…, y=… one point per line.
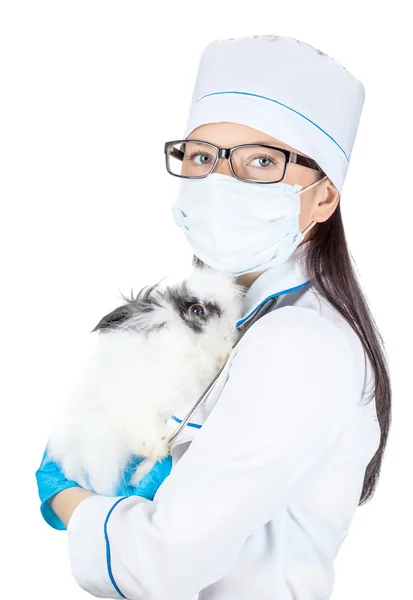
x=51, y=480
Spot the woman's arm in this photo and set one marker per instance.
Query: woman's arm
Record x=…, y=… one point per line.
x=291, y=389
x=65, y=502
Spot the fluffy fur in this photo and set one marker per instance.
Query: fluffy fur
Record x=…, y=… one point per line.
x=155, y=355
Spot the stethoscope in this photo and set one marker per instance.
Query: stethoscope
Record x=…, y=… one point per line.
x=266, y=307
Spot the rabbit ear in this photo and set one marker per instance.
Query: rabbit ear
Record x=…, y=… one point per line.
x=197, y=263
x=146, y=311
x=115, y=318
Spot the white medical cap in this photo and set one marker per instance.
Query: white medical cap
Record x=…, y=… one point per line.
x=285, y=88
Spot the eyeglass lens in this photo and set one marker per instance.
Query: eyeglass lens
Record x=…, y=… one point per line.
x=254, y=163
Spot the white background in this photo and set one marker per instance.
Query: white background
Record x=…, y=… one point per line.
x=90, y=91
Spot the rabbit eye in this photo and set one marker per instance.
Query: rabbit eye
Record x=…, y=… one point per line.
x=197, y=309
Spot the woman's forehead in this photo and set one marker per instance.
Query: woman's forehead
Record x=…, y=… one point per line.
x=227, y=134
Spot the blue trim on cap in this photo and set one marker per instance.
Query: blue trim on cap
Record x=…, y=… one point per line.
x=188, y=424
x=294, y=289
x=285, y=106
x=108, y=561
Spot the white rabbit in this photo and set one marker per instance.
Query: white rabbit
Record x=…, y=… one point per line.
x=154, y=355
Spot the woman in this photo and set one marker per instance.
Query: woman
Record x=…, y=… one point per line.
x=264, y=482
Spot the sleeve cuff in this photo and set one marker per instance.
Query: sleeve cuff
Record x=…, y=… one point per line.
x=89, y=545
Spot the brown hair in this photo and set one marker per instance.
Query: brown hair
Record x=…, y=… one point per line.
x=330, y=266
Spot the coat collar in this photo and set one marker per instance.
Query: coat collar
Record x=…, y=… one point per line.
x=281, y=279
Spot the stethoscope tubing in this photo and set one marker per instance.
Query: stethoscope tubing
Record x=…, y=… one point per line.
x=263, y=309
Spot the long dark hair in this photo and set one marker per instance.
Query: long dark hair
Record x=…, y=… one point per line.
x=329, y=266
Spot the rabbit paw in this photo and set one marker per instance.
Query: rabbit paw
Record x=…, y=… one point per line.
x=222, y=359
x=154, y=449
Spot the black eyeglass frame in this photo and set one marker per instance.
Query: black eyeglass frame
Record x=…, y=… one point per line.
x=291, y=157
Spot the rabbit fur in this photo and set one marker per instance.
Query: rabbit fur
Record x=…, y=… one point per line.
x=154, y=355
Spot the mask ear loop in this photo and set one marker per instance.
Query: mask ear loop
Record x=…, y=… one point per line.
x=312, y=185
x=307, y=229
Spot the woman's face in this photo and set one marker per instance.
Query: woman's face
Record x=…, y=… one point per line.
x=317, y=204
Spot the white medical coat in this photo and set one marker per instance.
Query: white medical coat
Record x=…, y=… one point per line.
x=266, y=477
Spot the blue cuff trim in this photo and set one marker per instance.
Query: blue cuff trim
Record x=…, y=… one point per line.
x=285, y=106
x=108, y=563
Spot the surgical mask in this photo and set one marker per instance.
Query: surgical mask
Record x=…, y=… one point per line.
x=238, y=226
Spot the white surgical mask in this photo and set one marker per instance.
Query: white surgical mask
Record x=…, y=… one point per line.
x=238, y=226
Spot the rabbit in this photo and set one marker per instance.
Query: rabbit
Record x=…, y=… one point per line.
x=154, y=355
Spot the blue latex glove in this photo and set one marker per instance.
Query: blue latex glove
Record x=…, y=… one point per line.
x=50, y=481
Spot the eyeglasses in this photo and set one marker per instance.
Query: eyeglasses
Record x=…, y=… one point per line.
x=195, y=159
